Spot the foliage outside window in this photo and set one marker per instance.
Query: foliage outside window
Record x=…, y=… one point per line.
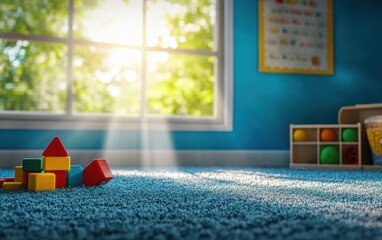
x=123, y=57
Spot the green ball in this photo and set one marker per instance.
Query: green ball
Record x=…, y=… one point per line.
x=330, y=155
x=350, y=135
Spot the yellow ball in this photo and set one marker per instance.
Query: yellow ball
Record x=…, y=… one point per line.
x=300, y=135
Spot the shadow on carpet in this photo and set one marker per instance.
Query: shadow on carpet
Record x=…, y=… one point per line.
x=202, y=203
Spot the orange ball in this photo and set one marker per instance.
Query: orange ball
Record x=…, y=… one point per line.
x=328, y=135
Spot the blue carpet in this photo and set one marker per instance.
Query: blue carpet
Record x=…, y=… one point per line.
x=202, y=203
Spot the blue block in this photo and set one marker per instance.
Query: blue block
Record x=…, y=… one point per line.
x=74, y=176
x=32, y=164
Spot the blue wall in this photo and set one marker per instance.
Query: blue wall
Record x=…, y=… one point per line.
x=264, y=104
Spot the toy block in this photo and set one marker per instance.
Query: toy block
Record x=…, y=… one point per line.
x=56, y=163
x=60, y=178
x=19, y=174
x=32, y=164
x=25, y=179
x=42, y=181
x=55, y=149
x=74, y=176
x=3, y=180
x=12, y=186
x=96, y=173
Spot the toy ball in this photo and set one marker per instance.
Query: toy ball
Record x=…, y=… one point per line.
x=350, y=135
x=328, y=135
x=350, y=155
x=300, y=135
x=330, y=155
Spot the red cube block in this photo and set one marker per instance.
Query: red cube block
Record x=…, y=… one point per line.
x=3, y=180
x=97, y=173
x=60, y=178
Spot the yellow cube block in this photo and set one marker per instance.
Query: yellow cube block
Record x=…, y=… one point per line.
x=12, y=186
x=56, y=163
x=19, y=174
x=41, y=181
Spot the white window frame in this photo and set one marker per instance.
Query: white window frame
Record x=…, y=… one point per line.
x=222, y=121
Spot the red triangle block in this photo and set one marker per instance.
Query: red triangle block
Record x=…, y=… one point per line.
x=55, y=149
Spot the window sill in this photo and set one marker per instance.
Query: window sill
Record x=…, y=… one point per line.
x=110, y=122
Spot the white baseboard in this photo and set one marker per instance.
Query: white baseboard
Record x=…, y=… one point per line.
x=162, y=158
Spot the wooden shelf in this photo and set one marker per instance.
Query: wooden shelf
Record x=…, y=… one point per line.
x=372, y=167
x=305, y=153
x=324, y=166
x=305, y=143
x=358, y=114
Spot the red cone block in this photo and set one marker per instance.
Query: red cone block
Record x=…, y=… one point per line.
x=97, y=173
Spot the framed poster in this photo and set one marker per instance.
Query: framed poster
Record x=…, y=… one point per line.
x=296, y=36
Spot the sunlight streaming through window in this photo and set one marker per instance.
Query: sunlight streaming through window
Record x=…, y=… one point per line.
x=132, y=58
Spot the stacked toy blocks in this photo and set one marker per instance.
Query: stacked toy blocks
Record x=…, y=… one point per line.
x=56, y=161
x=54, y=171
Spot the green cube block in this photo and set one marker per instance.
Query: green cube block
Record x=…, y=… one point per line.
x=32, y=164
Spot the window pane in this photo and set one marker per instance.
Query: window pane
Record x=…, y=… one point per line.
x=111, y=21
x=181, y=24
x=32, y=76
x=43, y=17
x=106, y=80
x=180, y=84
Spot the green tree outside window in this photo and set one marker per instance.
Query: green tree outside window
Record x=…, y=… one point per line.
x=107, y=77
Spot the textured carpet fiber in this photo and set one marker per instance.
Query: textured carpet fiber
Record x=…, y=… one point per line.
x=202, y=203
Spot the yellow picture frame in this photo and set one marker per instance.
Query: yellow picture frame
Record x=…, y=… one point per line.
x=276, y=56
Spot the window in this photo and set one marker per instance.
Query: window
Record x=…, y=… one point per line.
x=96, y=63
